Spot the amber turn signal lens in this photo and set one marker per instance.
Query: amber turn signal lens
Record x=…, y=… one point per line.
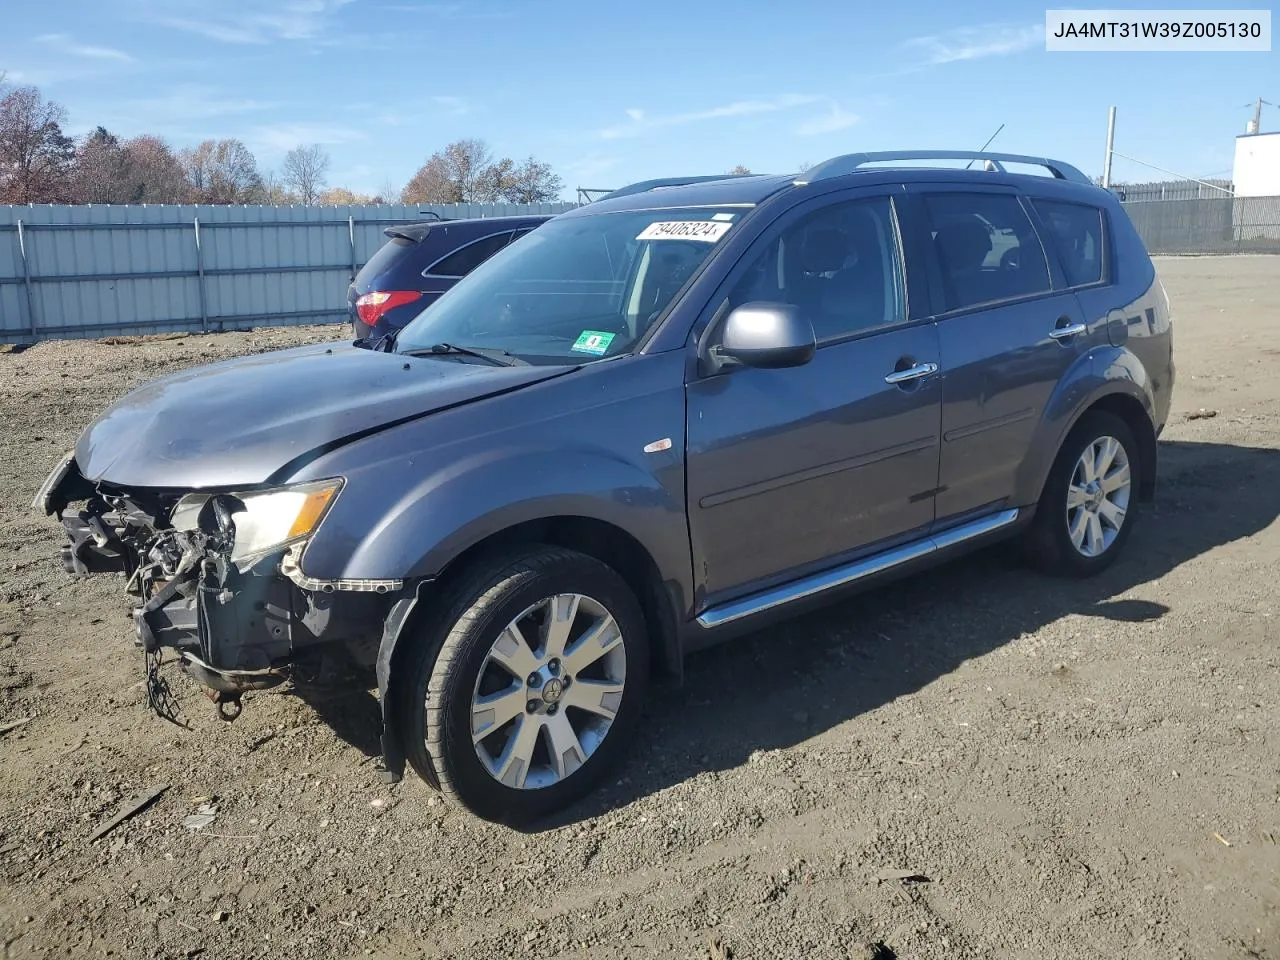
x=312, y=510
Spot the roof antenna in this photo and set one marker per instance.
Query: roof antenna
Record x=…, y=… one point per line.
x=985, y=145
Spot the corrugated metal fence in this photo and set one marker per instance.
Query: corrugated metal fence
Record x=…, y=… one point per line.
x=88, y=271
x=1208, y=226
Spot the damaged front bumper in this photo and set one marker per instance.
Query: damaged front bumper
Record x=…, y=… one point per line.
x=235, y=608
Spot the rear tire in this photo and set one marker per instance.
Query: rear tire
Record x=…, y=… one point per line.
x=1088, y=507
x=527, y=687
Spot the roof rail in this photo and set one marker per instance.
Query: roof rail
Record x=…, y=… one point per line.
x=645, y=185
x=853, y=162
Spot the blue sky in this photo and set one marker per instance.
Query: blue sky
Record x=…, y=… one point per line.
x=610, y=92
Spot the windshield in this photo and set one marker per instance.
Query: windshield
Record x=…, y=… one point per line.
x=575, y=289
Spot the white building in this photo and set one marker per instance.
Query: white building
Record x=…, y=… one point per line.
x=1256, y=172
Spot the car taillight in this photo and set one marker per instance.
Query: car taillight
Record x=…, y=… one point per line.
x=371, y=306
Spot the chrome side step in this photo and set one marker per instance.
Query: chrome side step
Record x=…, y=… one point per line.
x=850, y=573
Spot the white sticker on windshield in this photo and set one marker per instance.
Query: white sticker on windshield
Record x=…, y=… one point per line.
x=708, y=231
x=724, y=216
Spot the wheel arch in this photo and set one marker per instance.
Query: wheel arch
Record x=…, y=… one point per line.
x=1135, y=416
x=611, y=545
x=1128, y=406
x=604, y=541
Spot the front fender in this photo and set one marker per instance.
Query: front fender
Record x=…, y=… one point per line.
x=606, y=443
x=1102, y=372
x=472, y=499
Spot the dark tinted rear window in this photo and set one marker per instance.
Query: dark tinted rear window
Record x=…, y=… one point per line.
x=1076, y=230
x=986, y=248
x=461, y=262
x=386, y=258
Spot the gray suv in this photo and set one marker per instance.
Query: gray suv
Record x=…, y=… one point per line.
x=658, y=420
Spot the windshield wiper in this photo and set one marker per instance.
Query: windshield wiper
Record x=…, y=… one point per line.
x=499, y=357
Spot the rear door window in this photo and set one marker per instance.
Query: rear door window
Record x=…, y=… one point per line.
x=1076, y=230
x=986, y=248
x=464, y=260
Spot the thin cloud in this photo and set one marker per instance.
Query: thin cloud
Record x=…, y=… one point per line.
x=451, y=11
x=457, y=105
x=836, y=118
x=642, y=123
x=244, y=21
x=593, y=165
x=414, y=113
x=976, y=43
x=281, y=138
x=186, y=112
x=66, y=45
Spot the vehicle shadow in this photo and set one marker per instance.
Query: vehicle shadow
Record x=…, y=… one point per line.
x=350, y=710
x=782, y=685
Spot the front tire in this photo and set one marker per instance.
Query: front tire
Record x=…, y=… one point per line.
x=536, y=687
x=1088, y=507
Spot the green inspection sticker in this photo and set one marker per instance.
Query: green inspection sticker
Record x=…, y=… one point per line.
x=593, y=342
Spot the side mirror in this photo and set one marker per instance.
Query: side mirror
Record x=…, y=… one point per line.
x=768, y=335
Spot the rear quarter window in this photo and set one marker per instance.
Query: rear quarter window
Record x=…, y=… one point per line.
x=1078, y=232
x=463, y=261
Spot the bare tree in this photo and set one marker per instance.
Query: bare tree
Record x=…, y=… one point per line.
x=431, y=184
x=460, y=173
x=276, y=191
x=532, y=182
x=468, y=162
x=494, y=181
x=388, y=193
x=305, y=169
x=154, y=172
x=222, y=171
x=739, y=171
x=141, y=170
x=35, y=155
x=465, y=172
x=101, y=169
x=341, y=197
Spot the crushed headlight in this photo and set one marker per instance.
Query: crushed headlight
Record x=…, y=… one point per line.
x=269, y=520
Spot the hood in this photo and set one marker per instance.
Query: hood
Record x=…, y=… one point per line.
x=239, y=422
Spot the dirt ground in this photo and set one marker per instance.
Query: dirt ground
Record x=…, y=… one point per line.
x=1065, y=770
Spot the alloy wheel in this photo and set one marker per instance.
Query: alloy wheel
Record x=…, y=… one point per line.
x=548, y=691
x=1098, y=496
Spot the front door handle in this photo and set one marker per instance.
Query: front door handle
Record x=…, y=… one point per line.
x=1070, y=330
x=912, y=373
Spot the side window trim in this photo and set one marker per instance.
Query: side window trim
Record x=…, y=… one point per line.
x=466, y=246
x=1107, y=277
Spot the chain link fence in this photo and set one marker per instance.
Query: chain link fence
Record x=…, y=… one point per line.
x=1211, y=225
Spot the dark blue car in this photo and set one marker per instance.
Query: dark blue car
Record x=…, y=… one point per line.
x=419, y=262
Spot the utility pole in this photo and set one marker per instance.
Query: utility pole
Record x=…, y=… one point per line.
x=1256, y=125
x=1111, y=142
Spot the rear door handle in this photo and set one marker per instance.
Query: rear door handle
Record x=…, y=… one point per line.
x=1070, y=330
x=912, y=373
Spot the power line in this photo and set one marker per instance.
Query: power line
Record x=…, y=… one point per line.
x=1172, y=173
